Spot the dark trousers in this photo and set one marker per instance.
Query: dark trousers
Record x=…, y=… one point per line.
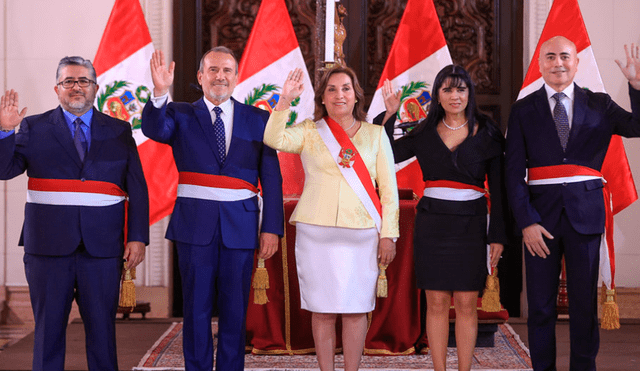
x=581, y=253
x=214, y=274
x=54, y=281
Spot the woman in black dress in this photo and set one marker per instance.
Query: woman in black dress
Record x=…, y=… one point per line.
x=457, y=149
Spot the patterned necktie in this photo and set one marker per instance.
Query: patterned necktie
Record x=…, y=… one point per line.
x=218, y=128
x=79, y=139
x=561, y=119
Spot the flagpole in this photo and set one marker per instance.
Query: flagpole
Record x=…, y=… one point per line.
x=329, y=31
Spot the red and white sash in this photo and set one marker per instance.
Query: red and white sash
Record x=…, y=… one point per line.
x=452, y=191
x=559, y=174
x=73, y=192
x=456, y=191
x=351, y=166
x=214, y=187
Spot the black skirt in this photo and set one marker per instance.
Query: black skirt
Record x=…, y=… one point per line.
x=450, y=249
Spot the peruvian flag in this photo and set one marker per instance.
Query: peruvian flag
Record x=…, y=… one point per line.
x=418, y=53
x=124, y=77
x=565, y=19
x=271, y=52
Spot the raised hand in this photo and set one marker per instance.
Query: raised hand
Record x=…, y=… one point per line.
x=291, y=89
x=9, y=115
x=391, y=99
x=632, y=70
x=161, y=75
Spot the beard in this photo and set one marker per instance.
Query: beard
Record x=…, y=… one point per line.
x=74, y=105
x=213, y=94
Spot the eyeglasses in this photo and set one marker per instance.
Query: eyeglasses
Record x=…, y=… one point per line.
x=83, y=83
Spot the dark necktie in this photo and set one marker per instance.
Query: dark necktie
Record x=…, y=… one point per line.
x=79, y=139
x=561, y=119
x=218, y=128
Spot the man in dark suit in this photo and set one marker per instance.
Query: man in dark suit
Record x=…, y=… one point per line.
x=560, y=135
x=218, y=149
x=82, y=165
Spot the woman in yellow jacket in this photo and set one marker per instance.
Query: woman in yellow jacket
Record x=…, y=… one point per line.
x=343, y=228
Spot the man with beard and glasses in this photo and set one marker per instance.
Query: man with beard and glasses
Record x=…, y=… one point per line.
x=82, y=166
x=218, y=149
x=558, y=137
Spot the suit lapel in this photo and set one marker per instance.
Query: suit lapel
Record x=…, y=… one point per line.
x=546, y=117
x=63, y=135
x=99, y=132
x=204, y=119
x=239, y=126
x=579, y=112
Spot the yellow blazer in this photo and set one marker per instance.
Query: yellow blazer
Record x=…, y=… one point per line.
x=327, y=199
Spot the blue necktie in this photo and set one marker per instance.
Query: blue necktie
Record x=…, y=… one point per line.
x=218, y=128
x=79, y=139
x=561, y=119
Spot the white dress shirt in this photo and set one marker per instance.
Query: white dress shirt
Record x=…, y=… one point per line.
x=567, y=101
x=226, y=115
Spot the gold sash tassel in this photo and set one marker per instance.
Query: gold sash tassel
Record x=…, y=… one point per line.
x=260, y=284
x=491, y=295
x=128, y=289
x=382, y=286
x=610, y=313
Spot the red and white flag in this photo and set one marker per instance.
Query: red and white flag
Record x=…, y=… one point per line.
x=418, y=53
x=271, y=52
x=124, y=77
x=565, y=19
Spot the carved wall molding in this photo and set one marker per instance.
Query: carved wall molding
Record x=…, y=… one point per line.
x=229, y=23
x=470, y=28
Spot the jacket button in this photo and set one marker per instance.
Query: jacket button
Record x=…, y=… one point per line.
x=564, y=184
x=82, y=180
x=564, y=160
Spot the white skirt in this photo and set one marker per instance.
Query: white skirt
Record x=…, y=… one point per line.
x=337, y=268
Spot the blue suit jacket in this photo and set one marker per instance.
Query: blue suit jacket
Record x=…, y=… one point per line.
x=188, y=128
x=532, y=141
x=44, y=148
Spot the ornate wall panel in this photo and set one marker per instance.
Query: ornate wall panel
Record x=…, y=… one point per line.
x=229, y=23
x=470, y=28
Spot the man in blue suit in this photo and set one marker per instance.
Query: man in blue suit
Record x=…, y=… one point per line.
x=218, y=149
x=82, y=166
x=560, y=135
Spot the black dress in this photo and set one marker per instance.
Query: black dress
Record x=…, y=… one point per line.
x=451, y=237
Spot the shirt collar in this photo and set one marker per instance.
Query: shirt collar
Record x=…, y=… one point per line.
x=569, y=91
x=86, y=117
x=226, y=106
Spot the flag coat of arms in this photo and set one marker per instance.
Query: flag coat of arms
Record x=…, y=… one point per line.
x=419, y=51
x=124, y=77
x=565, y=19
x=271, y=52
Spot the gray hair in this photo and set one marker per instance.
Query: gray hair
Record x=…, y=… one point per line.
x=76, y=61
x=219, y=49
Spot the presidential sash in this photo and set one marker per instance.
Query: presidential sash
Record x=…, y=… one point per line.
x=352, y=166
